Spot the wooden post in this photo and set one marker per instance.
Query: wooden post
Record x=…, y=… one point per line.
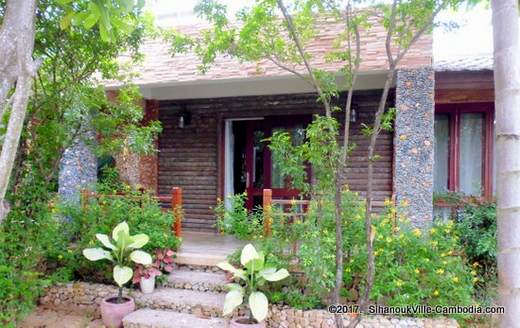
x=83, y=198
x=177, y=210
x=267, y=207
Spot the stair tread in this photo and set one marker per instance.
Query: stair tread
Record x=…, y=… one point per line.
x=197, y=277
x=168, y=319
x=187, y=297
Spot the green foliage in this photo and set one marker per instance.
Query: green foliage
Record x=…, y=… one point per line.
x=140, y=210
x=112, y=18
x=254, y=273
x=477, y=228
x=121, y=250
x=32, y=256
x=237, y=220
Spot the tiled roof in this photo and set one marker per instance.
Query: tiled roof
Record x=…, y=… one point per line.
x=160, y=68
x=466, y=63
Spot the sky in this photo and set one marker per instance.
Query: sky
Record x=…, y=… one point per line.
x=472, y=37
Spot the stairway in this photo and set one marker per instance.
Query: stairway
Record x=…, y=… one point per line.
x=192, y=297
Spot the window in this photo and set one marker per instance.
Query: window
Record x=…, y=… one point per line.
x=463, y=149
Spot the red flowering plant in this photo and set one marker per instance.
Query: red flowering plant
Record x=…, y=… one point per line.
x=163, y=262
x=146, y=272
x=164, y=259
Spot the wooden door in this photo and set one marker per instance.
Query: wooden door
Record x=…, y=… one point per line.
x=261, y=171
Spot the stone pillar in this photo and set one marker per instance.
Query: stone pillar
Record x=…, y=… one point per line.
x=413, y=144
x=78, y=170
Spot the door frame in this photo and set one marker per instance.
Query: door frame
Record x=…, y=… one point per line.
x=267, y=126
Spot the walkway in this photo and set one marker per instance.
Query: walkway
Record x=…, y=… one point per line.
x=205, y=248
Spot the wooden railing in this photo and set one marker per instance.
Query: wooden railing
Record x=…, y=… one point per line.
x=285, y=204
x=174, y=199
x=287, y=207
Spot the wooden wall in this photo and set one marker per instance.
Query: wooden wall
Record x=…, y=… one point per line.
x=190, y=157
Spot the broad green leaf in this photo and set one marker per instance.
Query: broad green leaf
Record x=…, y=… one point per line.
x=231, y=287
x=120, y=228
x=249, y=253
x=105, y=241
x=233, y=299
x=138, y=241
x=95, y=254
x=240, y=274
x=257, y=264
x=274, y=276
x=90, y=21
x=141, y=257
x=259, y=305
x=226, y=267
x=122, y=275
x=65, y=21
x=78, y=18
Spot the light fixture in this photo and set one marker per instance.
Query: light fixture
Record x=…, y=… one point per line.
x=184, y=117
x=353, y=115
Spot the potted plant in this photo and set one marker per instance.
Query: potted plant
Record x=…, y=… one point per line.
x=121, y=251
x=145, y=277
x=253, y=274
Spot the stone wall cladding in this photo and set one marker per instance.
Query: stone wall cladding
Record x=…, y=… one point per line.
x=78, y=169
x=414, y=138
x=87, y=297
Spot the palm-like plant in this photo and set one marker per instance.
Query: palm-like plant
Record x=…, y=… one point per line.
x=253, y=274
x=123, y=250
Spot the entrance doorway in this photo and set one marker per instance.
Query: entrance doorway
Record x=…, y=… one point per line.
x=249, y=164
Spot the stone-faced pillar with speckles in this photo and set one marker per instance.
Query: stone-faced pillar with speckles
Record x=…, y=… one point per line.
x=413, y=144
x=78, y=170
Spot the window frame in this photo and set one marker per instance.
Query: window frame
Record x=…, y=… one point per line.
x=455, y=112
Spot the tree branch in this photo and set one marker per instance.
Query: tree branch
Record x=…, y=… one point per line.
x=292, y=31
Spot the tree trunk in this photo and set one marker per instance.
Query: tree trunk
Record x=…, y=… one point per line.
x=507, y=143
x=16, y=66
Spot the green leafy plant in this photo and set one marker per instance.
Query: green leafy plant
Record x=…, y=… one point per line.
x=237, y=220
x=477, y=227
x=253, y=275
x=124, y=249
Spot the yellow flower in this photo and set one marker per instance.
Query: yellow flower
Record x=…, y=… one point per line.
x=417, y=271
x=473, y=272
x=440, y=271
x=398, y=283
x=455, y=279
x=388, y=202
x=417, y=232
x=389, y=239
x=475, y=264
x=475, y=279
x=433, y=231
x=436, y=293
x=376, y=253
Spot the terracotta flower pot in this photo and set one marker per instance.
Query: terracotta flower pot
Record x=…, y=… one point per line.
x=113, y=313
x=235, y=323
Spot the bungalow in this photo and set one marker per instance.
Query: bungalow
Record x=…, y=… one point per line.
x=214, y=125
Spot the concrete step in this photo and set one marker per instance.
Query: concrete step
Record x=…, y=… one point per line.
x=203, y=304
x=198, y=260
x=197, y=280
x=149, y=318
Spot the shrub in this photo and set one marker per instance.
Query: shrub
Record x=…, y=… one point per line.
x=413, y=266
x=33, y=252
x=140, y=210
x=477, y=229
x=237, y=220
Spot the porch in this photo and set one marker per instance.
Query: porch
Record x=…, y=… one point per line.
x=206, y=248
